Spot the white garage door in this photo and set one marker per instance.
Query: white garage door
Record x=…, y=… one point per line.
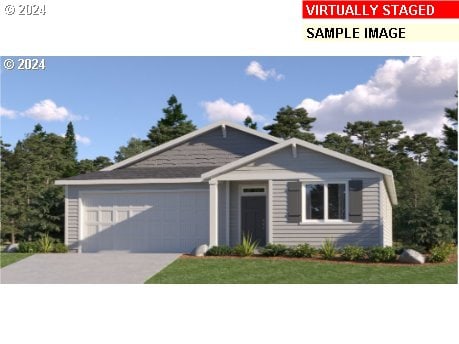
x=175, y=221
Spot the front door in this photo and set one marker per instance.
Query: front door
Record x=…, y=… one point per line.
x=253, y=218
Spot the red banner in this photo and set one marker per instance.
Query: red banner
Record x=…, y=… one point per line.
x=380, y=9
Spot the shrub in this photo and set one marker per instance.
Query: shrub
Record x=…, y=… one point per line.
x=219, y=251
x=440, y=253
x=273, y=250
x=247, y=246
x=301, y=251
x=27, y=247
x=45, y=244
x=353, y=253
x=328, y=249
x=60, y=248
x=381, y=254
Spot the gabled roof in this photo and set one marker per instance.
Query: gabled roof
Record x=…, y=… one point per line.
x=187, y=137
x=388, y=176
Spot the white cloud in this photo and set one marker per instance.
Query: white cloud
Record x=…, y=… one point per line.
x=415, y=91
x=7, y=113
x=47, y=110
x=83, y=139
x=220, y=109
x=256, y=69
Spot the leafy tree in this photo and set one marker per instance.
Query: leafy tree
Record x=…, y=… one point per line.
x=450, y=132
x=134, y=147
x=249, y=123
x=292, y=123
x=174, y=124
x=89, y=165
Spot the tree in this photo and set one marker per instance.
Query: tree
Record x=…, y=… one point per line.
x=450, y=132
x=292, y=123
x=70, y=151
x=419, y=147
x=133, y=147
x=174, y=124
x=88, y=165
x=249, y=123
x=339, y=143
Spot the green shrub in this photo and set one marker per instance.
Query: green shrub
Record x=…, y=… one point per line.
x=45, y=244
x=247, y=246
x=301, y=251
x=27, y=247
x=328, y=249
x=273, y=250
x=219, y=251
x=60, y=248
x=440, y=253
x=353, y=253
x=381, y=254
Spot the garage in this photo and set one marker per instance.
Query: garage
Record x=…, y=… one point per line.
x=149, y=221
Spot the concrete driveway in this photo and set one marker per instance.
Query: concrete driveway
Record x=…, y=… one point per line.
x=87, y=268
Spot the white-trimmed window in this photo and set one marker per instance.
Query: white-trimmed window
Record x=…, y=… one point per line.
x=324, y=201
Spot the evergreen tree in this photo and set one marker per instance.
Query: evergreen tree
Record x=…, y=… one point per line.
x=292, y=123
x=249, y=123
x=174, y=124
x=133, y=147
x=70, y=151
x=339, y=143
x=89, y=165
x=450, y=132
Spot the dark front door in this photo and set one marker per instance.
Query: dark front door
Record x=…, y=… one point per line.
x=253, y=218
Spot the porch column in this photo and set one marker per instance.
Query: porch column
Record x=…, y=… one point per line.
x=213, y=213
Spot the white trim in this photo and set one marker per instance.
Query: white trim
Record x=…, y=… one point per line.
x=128, y=181
x=381, y=216
x=66, y=216
x=224, y=131
x=80, y=221
x=213, y=213
x=325, y=220
x=388, y=176
x=186, y=137
x=227, y=212
x=269, y=226
x=294, y=150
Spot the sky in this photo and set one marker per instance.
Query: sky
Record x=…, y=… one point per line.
x=111, y=99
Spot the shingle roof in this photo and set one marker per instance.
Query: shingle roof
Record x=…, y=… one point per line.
x=138, y=173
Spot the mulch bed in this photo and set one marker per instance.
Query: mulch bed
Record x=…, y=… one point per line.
x=452, y=259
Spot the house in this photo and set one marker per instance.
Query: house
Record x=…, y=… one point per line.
x=216, y=183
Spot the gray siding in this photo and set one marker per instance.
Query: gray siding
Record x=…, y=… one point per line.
x=366, y=233
x=209, y=149
x=386, y=216
x=73, y=211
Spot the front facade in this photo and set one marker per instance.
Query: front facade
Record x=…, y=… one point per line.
x=220, y=182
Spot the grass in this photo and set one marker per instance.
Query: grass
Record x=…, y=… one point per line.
x=265, y=270
x=10, y=258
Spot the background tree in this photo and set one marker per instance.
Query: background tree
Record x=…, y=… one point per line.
x=70, y=150
x=341, y=144
x=292, y=123
x=174, y=124
x=89, y=165
x=249, y=123
x=450, y=132
x=133, y=147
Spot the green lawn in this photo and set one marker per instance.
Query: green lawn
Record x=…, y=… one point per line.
x=261, y=270
x=10, y=258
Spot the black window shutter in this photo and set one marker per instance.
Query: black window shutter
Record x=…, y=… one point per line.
x=293, y=202
x=355, y=201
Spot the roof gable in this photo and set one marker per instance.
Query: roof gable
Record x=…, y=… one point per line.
x=235, y=151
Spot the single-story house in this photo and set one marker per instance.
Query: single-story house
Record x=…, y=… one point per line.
x=215, y=184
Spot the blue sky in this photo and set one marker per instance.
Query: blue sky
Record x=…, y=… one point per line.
x=111, y=99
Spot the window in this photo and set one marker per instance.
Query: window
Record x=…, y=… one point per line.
x=325, y=201
x=253, y=190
